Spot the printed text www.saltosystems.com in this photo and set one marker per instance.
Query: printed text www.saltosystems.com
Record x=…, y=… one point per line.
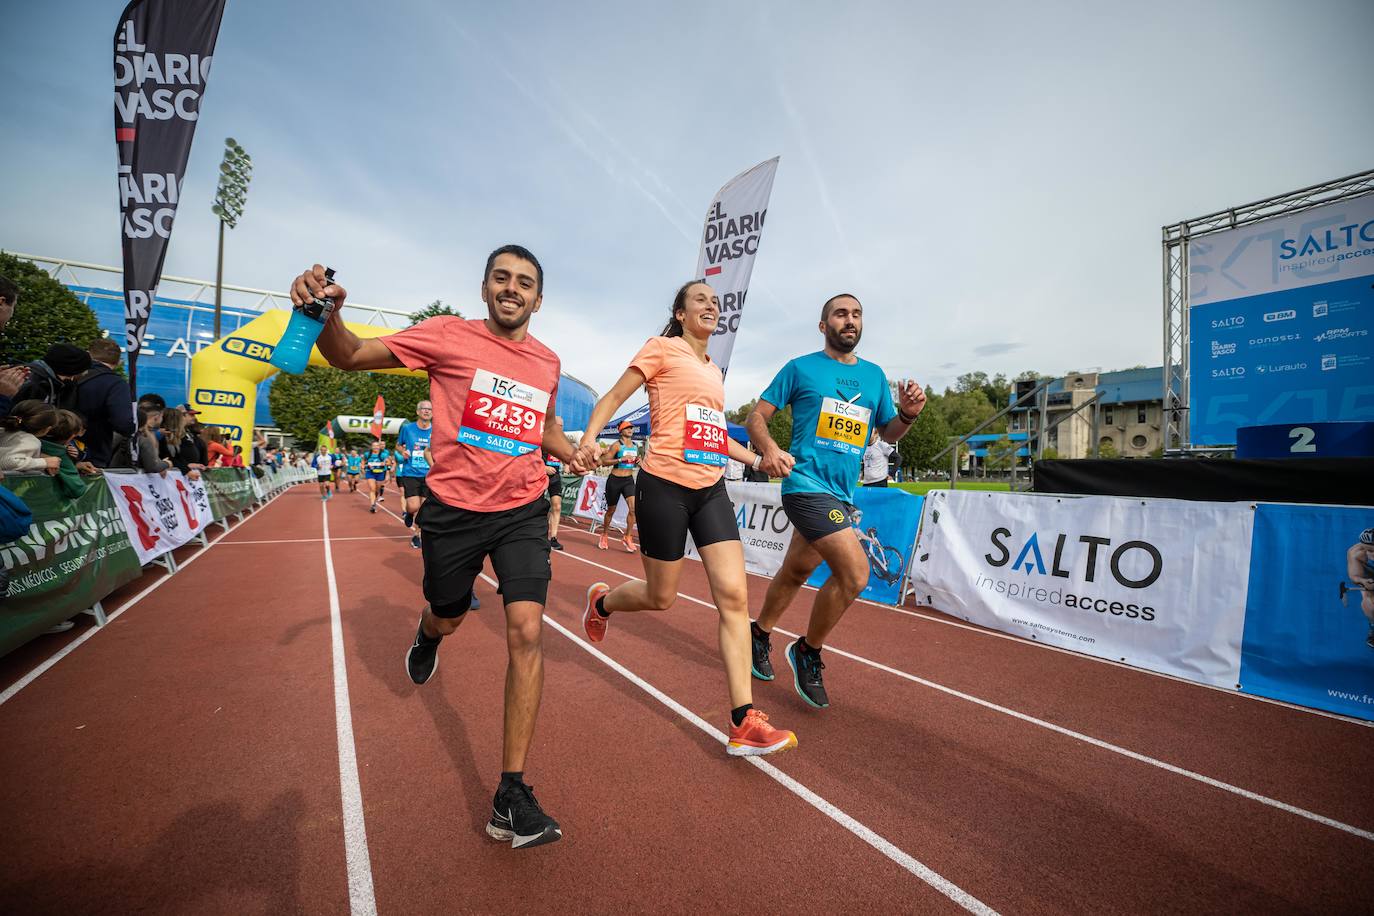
x=1047, y=629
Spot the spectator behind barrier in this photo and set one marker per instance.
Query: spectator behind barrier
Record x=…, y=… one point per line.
x=148, y=460
x=236, y=460
x=214, y=445
x=20, y=448
x=102, y=397
x=179, y=444
x=69, y=484
x=51, y=376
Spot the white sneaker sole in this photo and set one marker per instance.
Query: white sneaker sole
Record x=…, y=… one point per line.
x=747, y=750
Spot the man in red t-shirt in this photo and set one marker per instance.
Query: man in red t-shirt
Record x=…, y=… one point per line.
x=491, y=384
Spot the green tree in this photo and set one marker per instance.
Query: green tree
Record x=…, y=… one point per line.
x=1107, y=450
x=436, y=307
x=926, y=438
x=741, y=413
x=302, y=404
x=47, y=313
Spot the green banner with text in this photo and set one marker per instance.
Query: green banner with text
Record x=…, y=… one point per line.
x=230, y=491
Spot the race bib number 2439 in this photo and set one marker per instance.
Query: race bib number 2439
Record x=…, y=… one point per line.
x=503, y=415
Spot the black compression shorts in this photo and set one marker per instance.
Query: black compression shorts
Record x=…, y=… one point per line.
x=413, y=486
x=667, y=511
x=555, y=486
x=456, y=541
x=617, y=487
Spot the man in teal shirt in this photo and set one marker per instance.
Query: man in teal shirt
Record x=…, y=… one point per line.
x=836, y=400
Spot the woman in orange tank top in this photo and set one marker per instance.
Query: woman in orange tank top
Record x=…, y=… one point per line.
x=680, y=490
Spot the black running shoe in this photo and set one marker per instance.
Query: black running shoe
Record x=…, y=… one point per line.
x=553, y=542
x=423, y=657
x=407, y=519
x=372, y=508
x=763, y=665
x=806, y=675
x=415, y=541
x=517, y=817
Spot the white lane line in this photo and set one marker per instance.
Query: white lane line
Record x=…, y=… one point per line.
x=1058, y=729
x=71, y=647
x=362, y=900
x=372, y=537
x=867, y=834
x=1036, y=644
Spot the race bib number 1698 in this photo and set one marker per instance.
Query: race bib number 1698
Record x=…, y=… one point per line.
x=503, y=415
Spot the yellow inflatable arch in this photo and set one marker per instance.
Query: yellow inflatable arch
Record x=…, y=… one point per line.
x=225, y=375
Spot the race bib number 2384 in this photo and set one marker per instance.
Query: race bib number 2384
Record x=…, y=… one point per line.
x=704, y=436
x=503, y=415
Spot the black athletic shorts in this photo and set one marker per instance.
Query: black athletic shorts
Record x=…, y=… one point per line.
x=617, y=487
x=413, y=486
x=555, y=486
x=816, y=515
x=667, y=511
x=456, y=541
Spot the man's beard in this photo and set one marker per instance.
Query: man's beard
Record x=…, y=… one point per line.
x=510, y=324
x=835, y=339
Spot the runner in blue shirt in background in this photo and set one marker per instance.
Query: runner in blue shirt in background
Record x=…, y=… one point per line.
x=354, y=462
x=411, y=466
x=337, y=468
x=375, y=465
x=836, y=399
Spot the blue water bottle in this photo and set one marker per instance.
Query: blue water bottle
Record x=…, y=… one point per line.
x=307, y=321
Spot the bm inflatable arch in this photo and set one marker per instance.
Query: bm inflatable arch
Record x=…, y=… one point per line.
x=225, y=377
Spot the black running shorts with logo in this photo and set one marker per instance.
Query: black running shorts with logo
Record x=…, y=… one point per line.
x=667, y=511
x=457, y=541
x=816, y=515
x=617, y=487
x=413, y=486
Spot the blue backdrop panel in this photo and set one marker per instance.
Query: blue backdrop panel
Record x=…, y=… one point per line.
x=1291, y=356
x=887, y=531
x=1302, y=644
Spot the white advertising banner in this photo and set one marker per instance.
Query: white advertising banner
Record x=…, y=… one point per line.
x=362, y=426
x=160, y=513
x=591, y=502
x=1334, y=242
x=1159, y=584
x=764, y=529
x=729, y=242
x=199, y=498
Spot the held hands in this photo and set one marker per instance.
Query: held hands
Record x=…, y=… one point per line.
x=313, y=285
x=776, y=462
x=911, y=398
x=587, y=458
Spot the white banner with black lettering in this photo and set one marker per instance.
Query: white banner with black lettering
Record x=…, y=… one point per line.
x=729, y=242
x=160, y=513
x=1156, y=583
x=764, y=530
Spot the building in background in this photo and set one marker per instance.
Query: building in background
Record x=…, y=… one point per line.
x=1126, y=420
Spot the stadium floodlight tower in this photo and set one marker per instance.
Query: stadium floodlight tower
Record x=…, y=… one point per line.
x=235, y=172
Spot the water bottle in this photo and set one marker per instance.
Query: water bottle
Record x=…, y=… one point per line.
x=307, y=321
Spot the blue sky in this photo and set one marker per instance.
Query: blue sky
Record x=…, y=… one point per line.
x=989, y=178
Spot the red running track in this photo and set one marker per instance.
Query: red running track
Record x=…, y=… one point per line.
x=187, y=758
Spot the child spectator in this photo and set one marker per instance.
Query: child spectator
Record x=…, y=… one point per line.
x=149, y=461
x=68, y=426
x=179, y=445
x=20, y=432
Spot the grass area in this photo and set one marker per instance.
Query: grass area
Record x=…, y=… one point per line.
x=922, y=488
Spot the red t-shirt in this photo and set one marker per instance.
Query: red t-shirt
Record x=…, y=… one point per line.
x=490, y=398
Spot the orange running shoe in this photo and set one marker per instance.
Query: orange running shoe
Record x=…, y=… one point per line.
x=629, y=543
x=601, y=544
x=754, y=737
x=593, y=624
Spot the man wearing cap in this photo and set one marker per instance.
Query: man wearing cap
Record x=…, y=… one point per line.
x=103, y=398
x=51, y=376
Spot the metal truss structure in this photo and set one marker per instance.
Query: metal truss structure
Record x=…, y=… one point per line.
x=201, y=293
x=1176, y=239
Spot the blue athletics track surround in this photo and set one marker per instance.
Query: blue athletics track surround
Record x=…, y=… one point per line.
x=1024, y=778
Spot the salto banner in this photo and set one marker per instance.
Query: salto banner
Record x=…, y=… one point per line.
x=729, y=242
x=1159, y=584
x=162, y=54
x=885, y=523
x=1281, y=322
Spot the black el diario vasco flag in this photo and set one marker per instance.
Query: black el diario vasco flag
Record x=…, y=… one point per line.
x=162, y=52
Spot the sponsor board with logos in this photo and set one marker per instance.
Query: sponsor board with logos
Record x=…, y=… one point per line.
x=1158, y=584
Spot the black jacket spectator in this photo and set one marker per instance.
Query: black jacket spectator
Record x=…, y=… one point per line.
x=103, y=397
x=51, y=375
